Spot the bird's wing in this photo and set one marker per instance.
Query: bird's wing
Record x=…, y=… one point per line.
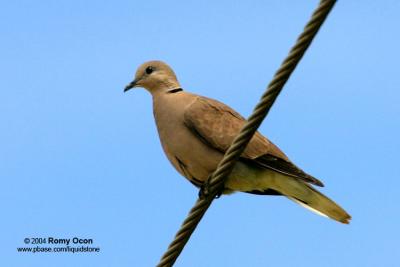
x=217, y=125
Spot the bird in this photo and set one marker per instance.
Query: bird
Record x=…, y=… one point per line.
x=195, y=132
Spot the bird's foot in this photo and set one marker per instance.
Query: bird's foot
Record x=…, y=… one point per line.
x=205, y=190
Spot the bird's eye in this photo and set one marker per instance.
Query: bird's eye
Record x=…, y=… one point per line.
x=149, y=70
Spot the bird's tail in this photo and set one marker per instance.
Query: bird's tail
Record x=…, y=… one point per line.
x=310, y=198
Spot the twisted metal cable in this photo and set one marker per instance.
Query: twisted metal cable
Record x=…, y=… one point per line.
x=217, y=179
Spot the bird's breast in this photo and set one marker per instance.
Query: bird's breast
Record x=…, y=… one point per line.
x=188, y=154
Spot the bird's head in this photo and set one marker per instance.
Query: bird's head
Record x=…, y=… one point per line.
x=154, y=76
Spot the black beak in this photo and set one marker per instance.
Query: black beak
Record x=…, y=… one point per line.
x=130, y=86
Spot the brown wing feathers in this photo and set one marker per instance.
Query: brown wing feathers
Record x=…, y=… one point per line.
x=217, y=125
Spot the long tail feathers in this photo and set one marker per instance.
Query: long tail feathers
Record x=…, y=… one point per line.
x=310, y=198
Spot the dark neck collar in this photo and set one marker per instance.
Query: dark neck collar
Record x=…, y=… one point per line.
x=175, y=90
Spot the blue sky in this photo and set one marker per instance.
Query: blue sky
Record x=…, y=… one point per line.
x=80, y=158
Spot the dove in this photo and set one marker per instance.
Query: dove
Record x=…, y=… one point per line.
x=195, y=132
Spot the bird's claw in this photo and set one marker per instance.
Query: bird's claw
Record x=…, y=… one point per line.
x=205, y=190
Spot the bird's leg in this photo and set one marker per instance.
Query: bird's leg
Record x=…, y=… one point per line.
x=205, y=190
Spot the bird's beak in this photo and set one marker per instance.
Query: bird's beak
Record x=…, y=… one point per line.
x=131, y=85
